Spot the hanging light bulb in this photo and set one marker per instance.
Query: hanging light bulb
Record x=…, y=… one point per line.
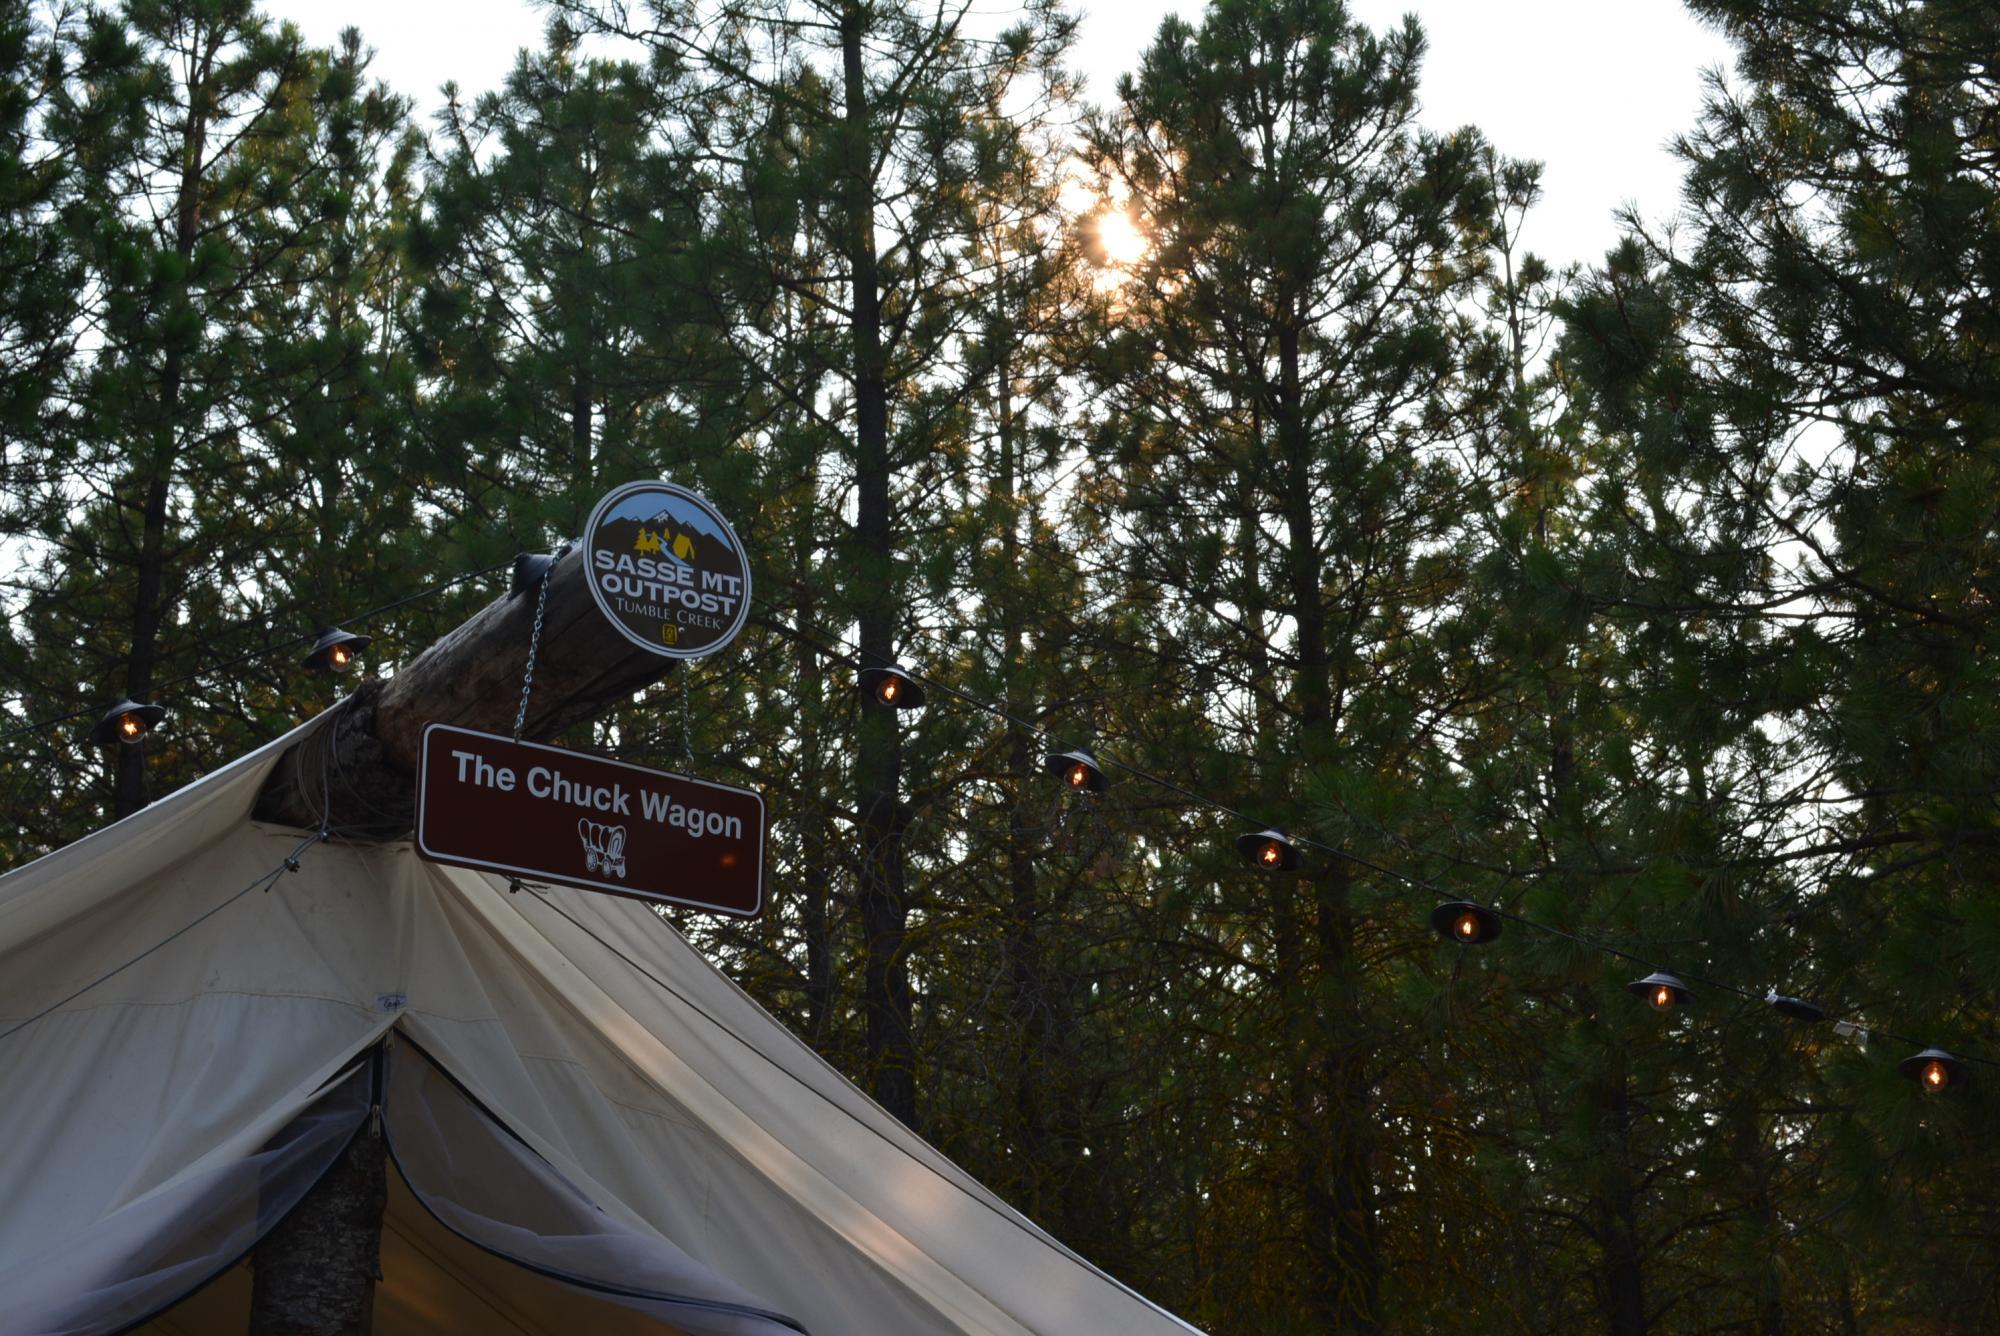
x=126, y=722
x=1661, y=991
x=1466, y=923
x=1078, y=769
x=1270, y=849
x=334, y=650
x=1934, y=1070
x=892, y=687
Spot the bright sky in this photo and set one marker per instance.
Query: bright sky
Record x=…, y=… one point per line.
x=1593, y=90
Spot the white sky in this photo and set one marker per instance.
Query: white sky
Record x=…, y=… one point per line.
x=1593, y=90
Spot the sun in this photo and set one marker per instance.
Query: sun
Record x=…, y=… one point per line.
x=1123, y=242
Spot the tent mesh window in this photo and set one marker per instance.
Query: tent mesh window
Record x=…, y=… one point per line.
x=488, y=1188
x=148, y=1254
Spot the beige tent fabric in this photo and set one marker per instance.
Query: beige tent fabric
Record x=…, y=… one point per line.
x=583, y=1022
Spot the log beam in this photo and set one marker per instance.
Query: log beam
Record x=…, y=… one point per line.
x=359, y=773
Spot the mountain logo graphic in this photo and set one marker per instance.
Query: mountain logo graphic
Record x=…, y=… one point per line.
x=667, y=570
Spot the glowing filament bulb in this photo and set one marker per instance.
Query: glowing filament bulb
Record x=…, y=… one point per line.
x=339, y=658
x=130, y=726
x=1663, y=997
x=1468, y=926
x=886, y=692
x=1079, y=775
x=1935, y=1075
x=1272, y=854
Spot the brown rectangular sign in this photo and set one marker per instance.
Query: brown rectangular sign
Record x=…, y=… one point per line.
x=486, y=801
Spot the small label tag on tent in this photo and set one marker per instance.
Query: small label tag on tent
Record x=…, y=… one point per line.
x=485, y=801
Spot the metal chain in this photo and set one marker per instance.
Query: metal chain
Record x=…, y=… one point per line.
x=687, y=737
x=535, y=641
x=528, y=674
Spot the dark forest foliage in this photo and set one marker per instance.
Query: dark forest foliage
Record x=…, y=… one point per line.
x=1651, y=601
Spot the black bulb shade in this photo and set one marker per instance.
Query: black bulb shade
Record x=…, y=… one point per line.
x=127, y=722
x=1078, y=770
x=1933, y=1069
x=1797, y=1008
x=530, y=568
x=334, y=650
x=1661, y=991
x=892, y=687
x=1466, y=923
x=1270, y=850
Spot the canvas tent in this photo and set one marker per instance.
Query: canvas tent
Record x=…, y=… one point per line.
x=591, y=1128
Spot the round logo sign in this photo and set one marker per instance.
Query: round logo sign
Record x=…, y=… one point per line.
x=667, y=569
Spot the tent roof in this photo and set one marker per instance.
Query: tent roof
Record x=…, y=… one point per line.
x=171, y=1020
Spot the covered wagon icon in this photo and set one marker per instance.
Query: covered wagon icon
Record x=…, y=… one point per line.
x=603, y=847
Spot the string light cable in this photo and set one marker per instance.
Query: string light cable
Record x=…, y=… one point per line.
x=289, y=863
x=359, y=619
x=850, y=653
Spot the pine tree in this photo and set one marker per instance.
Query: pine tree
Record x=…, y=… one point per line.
x=39, y=272
x=552, y=321
x=334, y=397
x=1278, y=379
x=1804, y=372
x=279, y=457
x=1023, y=866
x=858, y=131
x=174, y=113
x=40, y=294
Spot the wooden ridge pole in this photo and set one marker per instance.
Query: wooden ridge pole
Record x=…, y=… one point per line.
x=360, y=772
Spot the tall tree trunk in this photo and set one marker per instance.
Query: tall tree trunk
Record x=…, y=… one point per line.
x=1624, y=1279
x=885, y=996
x=129, y=782
x=129, y=787
x=1624, y=1282
x=1030, y=1005
x=583, y=465
x=583, y=381
x=815, y=839
x=328, y=548
x=1333, y=1115
x=1755, y=1158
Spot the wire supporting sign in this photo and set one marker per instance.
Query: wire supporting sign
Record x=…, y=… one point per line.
x=666, y=569
x=489, y=802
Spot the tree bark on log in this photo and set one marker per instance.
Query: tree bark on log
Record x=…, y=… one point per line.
x=316, y=1272
x=359, y=774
